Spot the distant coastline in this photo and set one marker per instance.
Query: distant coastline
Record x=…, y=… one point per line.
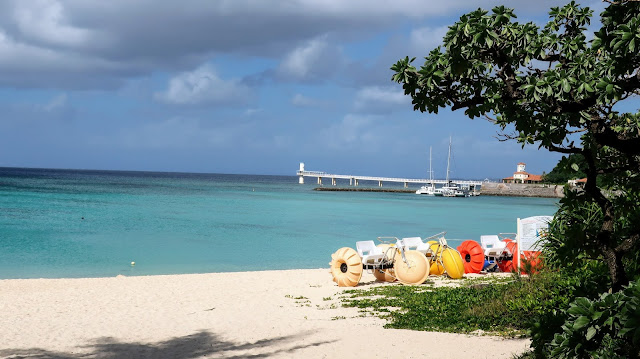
x=487, y=189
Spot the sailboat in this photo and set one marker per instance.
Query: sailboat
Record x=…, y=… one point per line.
x=451, y=189
x=430, y=190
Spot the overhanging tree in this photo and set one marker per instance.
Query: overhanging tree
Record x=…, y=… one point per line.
x=553, y=88
x=568, y=168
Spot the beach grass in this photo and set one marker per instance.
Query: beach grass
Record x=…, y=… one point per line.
x=498, y=305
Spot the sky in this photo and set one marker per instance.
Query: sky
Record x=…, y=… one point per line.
x=238, y=86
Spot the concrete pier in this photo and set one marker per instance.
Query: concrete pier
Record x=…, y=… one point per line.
x=355, y=180
x=353, y=189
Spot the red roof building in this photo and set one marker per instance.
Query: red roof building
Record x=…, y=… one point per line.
x=522, y=176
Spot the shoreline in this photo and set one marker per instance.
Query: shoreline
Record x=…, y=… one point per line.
x=554, y=191
x=281, y=313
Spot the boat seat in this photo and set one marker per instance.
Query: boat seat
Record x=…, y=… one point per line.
x=369, y=252
x=492, y=245
x=414, y=243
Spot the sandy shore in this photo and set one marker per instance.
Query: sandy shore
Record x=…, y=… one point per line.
x=218, y=315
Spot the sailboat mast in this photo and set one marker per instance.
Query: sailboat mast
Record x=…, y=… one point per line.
x=448, y=160
x=430, y=170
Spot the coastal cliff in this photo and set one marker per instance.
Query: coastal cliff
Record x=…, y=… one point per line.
x=522, y=190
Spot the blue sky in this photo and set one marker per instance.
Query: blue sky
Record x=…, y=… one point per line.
x=239, y=86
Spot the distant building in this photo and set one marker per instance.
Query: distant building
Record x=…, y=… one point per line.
x=577, y=182
x=522, y=176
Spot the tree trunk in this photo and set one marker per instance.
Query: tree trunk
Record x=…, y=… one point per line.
x=616, y=269
x=612, y=257
x=605, y=239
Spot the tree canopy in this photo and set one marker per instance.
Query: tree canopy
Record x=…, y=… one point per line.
x=569, y=167
x=552, y=87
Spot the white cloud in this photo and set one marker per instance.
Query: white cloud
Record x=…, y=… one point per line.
x=300, y=61
x=98, y=44
x=381, y=99
x=45, y=21
x=203, y=86
x=316, y=59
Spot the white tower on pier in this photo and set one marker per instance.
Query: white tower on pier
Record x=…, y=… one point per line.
x=301, y=178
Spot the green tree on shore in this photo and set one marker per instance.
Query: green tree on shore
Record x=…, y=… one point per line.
x=551, y=87
x=568, y=168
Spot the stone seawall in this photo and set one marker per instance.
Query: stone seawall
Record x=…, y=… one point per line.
x=522, y=190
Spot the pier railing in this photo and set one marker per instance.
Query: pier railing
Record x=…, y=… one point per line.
x=355, y=179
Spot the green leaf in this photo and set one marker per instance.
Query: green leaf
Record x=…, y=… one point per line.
x=577, y=310
x=609, y=321
x=575, y=167
x=581, y=322
x=591, y=332
x=596, y=315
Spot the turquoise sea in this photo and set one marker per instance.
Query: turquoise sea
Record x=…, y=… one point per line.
x=72, y=223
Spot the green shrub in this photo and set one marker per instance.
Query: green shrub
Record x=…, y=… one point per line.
x=608, y=327
x=568, y=285
x=510, y=307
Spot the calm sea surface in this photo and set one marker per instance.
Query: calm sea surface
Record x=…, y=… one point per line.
x=68, y=223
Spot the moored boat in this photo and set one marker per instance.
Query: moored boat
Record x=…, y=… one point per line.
x=430, y=190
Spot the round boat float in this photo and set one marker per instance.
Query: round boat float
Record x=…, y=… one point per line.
x=408, y=260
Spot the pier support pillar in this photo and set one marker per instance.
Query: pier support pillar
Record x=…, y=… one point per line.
x=351, y=181
x=301, y=180
x=379, y=183
x=406, y=185
x=355, y=182
x=319, y=180
x=333, y=181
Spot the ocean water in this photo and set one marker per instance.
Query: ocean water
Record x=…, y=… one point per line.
x=69, y=223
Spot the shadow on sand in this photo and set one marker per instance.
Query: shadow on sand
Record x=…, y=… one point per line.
x=200, y=344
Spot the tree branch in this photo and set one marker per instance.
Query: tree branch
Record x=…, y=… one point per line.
x=474, y=101
x=606, y=136
x=628, y=243
x=570, y=150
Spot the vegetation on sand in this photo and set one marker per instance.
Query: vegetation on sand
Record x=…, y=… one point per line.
x=509, y=306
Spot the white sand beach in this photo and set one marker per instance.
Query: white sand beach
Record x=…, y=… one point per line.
x=217, y=315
